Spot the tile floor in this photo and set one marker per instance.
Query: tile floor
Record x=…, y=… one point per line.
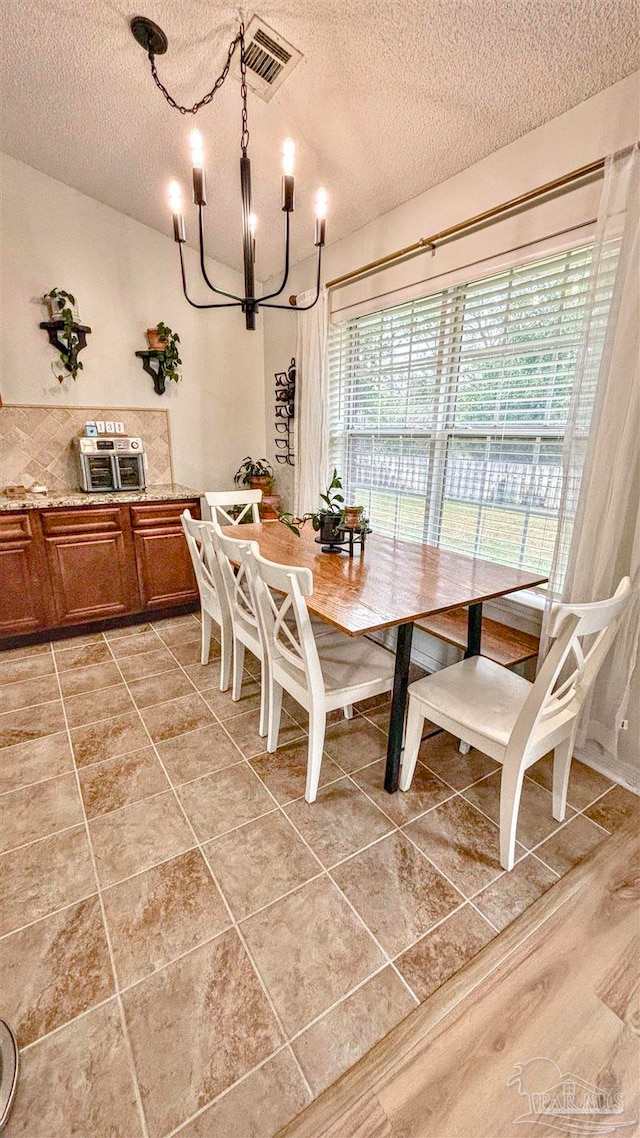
x=187, y=946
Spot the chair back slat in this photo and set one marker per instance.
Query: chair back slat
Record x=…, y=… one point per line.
x=568, y=671
x=205, y=566
x=219, y=500
x=280, y=592
x=236, y=583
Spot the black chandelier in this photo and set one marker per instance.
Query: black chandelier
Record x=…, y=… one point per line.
x=154, y=41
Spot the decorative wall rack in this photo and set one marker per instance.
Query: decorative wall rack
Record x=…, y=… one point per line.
x=60, y=338
x=285, y=413
x=156, y=373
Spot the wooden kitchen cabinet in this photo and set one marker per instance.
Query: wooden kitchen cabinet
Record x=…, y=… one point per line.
x=90, y=566
x=165, y=572
x=71, y=567
x=23, y=585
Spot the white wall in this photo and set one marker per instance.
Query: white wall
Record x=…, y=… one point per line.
x=126, y=278
x=597, y=127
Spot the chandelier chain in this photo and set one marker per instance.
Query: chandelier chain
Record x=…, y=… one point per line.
x=208, y=98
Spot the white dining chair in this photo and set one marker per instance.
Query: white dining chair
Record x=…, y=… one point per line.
x=512, y=720
x=244, y=618
x=213, y=600
x=322, y=673
x=219, y=501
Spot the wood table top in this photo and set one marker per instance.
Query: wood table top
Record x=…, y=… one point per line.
x=392, y=582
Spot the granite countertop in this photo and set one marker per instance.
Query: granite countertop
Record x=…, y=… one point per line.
x=56, y=499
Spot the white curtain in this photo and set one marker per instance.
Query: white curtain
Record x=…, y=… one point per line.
x=312, y=404
x=599, y=532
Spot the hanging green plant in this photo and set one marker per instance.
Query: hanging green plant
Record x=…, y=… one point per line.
x=71, y=338
x=166, y=340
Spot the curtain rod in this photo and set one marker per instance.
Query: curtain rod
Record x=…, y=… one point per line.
x=462, y=226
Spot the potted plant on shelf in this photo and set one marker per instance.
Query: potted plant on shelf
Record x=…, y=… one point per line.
x=69, y=337
x=164, y=339
x=328, y=518
x=256, y=473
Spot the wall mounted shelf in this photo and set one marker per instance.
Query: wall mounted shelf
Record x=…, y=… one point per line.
x=55, y=331
x=157, y=374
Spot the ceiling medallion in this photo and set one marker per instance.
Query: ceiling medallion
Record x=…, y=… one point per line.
x=154, y=41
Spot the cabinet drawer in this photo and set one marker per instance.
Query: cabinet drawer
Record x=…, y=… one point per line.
x=144, y=516
x=102, y=519
x=15, y=527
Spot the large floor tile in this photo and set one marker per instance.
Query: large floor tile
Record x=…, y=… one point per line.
x=158, y=689
x=585, y=784
x=36, y=811
x=78, y=1082
x=504, y=900
x=223, y=800
x=442, y=952
x=340, y=822
x=160, y=914
x=570, y=844
x=26, y=693
x=25, y=650
x=55, y=969
x=44, y=876
x=134, y=645
x=310, y=950
x=535, y=817
x=615, y=808
x=243, y=729
x=14, y=668
x=31, y=723
x=75, y=655
x=426, y=790
x=147, y=664
x=260, y=1105
x=91, y=678
x=190, y=653
x=185, y=633
x=196, y=1027
x=105, y=740
x=397, y=892
x=138, y=836
x=440, y=753
x=199, y=752
x=285, y=771
x=95, y=706
x=119, y=782
x=126, y=630
x=221, y=702
x=461, y=842
x=165, y=720
x=329, y=1047
x=26, y=763
x=354, y=743
x=259, y=862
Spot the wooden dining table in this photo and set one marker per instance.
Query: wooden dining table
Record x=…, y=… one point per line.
x=390, y=583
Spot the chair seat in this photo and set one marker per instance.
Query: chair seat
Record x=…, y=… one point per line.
x=349, y=662
x=476, y=693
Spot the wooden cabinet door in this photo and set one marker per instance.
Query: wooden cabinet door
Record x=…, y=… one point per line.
x=90, y=563
x=165, y=572
x=23, y=593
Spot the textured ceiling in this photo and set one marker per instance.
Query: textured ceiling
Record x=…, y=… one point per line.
x=392, y=96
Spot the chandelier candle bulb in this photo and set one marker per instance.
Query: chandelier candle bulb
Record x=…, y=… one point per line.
x=197, y=162
x=321, y=216
x=288, y=158
x=175, y=205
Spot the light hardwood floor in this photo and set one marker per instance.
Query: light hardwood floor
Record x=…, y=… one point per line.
x=559, y=987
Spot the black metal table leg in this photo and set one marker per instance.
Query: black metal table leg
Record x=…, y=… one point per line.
x=474, y=630
x=398, y=706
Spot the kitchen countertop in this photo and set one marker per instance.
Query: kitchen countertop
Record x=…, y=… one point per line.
x=56, y=499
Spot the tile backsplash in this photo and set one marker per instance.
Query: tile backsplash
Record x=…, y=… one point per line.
x=36, y=441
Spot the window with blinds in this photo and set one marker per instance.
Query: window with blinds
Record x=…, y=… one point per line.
x=447, y=414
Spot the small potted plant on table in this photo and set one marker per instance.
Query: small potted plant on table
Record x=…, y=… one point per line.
x=327, y=521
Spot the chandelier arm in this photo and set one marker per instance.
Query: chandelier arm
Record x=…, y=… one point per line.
x=193, y=303
x=302, y=307
x=220, y=291
x=286, y=261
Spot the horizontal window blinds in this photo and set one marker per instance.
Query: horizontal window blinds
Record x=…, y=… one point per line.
x=447, y=413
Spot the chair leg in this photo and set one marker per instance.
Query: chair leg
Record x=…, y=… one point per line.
x=264, y=699
x=463, y=747
x=348, y=711
x=510, y=791
x=275, y=710
x=238, y=665
x=226, y=656
x=317, y=727
x=206, y=637
x=413, y=735
x=562, y=756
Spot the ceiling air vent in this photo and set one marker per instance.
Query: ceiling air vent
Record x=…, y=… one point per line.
x=270, y=59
